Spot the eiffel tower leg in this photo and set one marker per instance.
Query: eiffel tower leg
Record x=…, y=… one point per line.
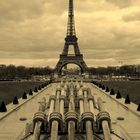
x=76, y=49
x=65, y=67
x=65, y=50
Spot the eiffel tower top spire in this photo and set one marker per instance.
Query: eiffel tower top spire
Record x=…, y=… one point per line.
x=71, y=24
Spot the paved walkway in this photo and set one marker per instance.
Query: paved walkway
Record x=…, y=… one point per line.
x=11, y=126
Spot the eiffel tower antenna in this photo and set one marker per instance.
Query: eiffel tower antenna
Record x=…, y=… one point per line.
x=71, y=41
x=71, y=23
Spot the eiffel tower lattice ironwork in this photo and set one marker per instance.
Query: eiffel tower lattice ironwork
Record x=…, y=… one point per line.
x=71, y=41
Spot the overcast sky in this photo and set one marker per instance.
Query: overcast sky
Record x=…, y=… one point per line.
x=32, y=31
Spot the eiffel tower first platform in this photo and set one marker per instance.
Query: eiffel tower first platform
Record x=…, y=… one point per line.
x=71, y=41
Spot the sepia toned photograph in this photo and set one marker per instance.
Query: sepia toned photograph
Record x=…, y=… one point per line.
x=70, y=70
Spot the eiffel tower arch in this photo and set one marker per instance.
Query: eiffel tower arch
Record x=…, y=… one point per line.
x=71, y=41
x=78, y=60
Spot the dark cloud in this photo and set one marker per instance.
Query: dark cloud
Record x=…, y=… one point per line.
x=132, y=17
x=18, y=11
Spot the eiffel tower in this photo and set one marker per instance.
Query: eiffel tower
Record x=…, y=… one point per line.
x=71, y=41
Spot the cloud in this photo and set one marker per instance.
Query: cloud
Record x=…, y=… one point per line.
x=120, y=3
x=16, y=10
x=135, y=16
x=33, y=32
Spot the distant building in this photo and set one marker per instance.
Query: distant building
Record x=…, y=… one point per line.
x=40, y=77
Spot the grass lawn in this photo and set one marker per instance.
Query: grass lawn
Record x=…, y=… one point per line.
x=10, y=89
x=132, y=88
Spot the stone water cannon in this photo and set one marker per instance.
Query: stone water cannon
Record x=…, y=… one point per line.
x=92, y=101
x=67, y=83
x=84, y=86
x=77, y=86
x=58, y=91
x=71, y=84
x=63, y=91
x=85, y=89
x=86, y=113
x=101, y=117
x=103, y=121
x=56, y=119
x=52, y=99
x=39, y=120
x=62, y=83
x=58, y=88
x=72, y=116
x=65, y=87
x=81, y=83
x=56, y=113
x=85, y=118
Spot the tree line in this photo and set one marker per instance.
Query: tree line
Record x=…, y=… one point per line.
x=127, y=70
x=12, y=72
